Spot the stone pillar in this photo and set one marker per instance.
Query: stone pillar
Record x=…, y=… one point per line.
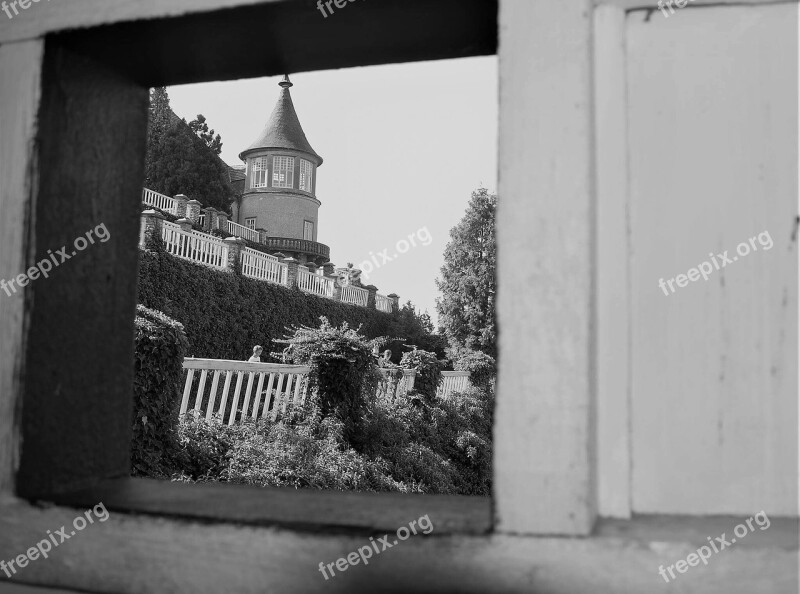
x=193, y=211
x=355, y=277
x=180, y=205
x=329, y=268
x=210, y=220
x=312, y=268
x=151, y=227
x=235, y=246
x=186, y=224
x=373, y=290
x=262, y=236
x=395, y=298
x=222, y=221
x=291, y=278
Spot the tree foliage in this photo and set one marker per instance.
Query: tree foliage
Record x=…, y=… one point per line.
x=178, y=161
x=467, y=304
x=200, y=127
x=343, y=376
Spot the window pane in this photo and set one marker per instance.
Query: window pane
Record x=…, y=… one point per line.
x=308, y=231
x=306, y=172
x=250, y=223
x=260, y=172
x=283, y=172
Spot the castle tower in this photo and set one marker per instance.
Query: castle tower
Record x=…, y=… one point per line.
x=280, y=186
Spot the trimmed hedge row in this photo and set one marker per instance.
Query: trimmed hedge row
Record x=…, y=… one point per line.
x=225, y=314
x=158, y=362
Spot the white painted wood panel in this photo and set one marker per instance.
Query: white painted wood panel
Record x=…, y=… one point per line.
x=613, y=283
x=20, y=63
x=544, y=419
x=713, y=162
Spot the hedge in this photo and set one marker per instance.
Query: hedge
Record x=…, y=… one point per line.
x=160, y=346
x=225, y=314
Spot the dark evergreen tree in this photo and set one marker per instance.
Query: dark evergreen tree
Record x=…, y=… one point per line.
x=467, y=304
x=200, y=127
x=180, y=162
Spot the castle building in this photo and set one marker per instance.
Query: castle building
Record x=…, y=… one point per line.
x=278, y=192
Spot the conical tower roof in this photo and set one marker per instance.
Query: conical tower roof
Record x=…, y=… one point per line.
x=283, y=130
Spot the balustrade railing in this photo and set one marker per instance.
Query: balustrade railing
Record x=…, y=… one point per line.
x=204, y=248
x=383, y=303
x=160, y=201
x=263, y=267
x=242, y=231
x=195, y=246
x=452, y=382
x=314, y=283
x=355, y=295
x=276, y=388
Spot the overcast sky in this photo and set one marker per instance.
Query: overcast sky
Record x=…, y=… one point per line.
x=403, y=147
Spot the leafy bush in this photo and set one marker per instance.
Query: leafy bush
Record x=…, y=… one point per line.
x=158, y=360
x=481, y=367
x=343, y=377
x=429, y=372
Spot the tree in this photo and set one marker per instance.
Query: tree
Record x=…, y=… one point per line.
x=467, y=304
x=200, y=127
x=180, y=162
x=417, y=329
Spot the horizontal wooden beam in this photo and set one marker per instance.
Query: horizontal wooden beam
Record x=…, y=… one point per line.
x=130, y=554
x=268, y=38
x=307, y=510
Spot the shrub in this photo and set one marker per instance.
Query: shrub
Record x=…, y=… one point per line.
x=226, y=314
x=343, y=377
x=481, y=367
x=429, y=372
x=158, y=360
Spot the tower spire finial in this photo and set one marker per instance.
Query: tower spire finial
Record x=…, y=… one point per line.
x=285, y=83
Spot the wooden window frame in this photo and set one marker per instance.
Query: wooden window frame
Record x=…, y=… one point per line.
x=247, y=222
x=306, y=222
x=103, y=56
x=110, y=69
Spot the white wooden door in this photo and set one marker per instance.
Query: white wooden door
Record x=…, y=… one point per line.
x=712, y=138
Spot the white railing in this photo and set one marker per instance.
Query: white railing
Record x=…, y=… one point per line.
x=314, y=283
x=398, y=386
x=355, y=295
x=160, y=201
x=383, y=303
x=242, y=231
x=276, y=387
x=262, y=266
x=453, y=381
x=195, y=246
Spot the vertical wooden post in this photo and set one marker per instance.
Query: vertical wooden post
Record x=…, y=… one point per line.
x=545, y=406
x=613, y=266
x=21, y=63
